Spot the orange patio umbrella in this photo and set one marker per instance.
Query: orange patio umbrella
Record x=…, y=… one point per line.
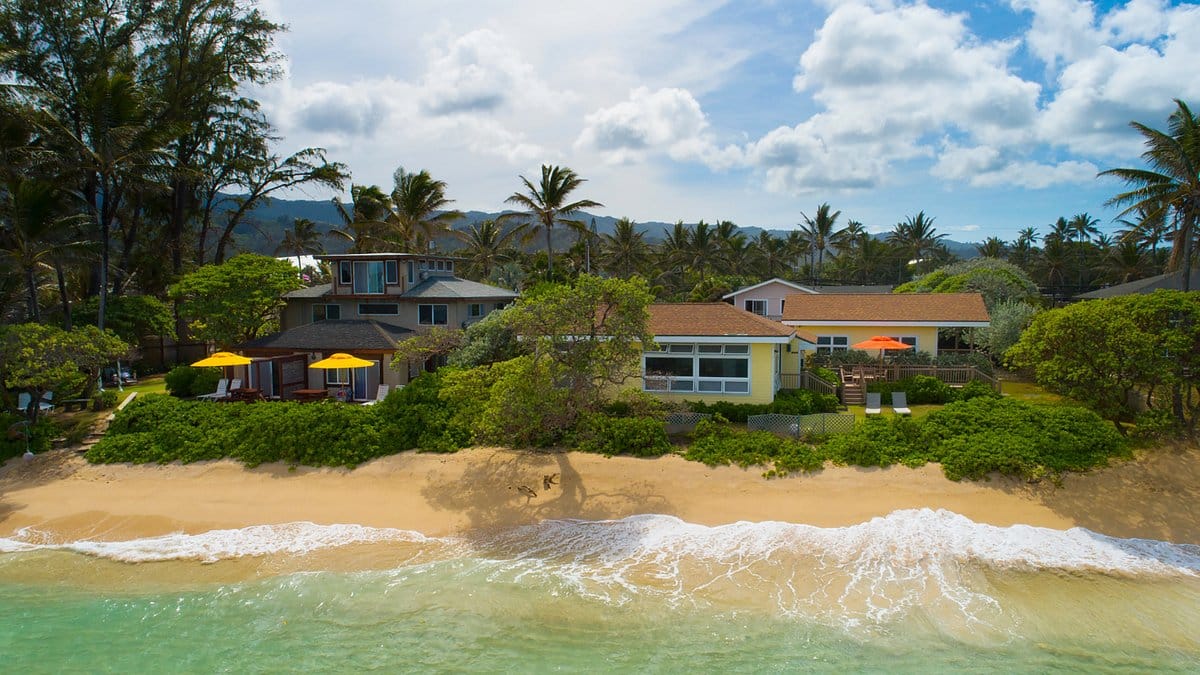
x=880, y=342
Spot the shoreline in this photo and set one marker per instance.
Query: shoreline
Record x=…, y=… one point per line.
x=61, y=496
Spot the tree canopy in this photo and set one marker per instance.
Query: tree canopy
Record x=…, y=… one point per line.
x=237, y=300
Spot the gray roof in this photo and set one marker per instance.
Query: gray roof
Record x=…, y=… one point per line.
x=318, y=291
x=453, y=288
x=1171, y=281
x=345, y=335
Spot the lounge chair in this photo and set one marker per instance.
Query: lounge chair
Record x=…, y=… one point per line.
x=380, y=394
x=24, y=399
x=900, y=403
x=874, y=403
x=221, y=392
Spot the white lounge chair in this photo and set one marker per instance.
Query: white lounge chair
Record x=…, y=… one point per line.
x=900, y=403
x=24, y=399
x=221, y=392
x=874, y=403
x=380, y=394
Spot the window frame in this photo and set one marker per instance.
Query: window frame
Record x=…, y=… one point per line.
x=475, y=310
x=346, y=273
x=746, y=305
x=391, y=272
x=333, y=375
x=833, y=343
x=394, y=305
x=433, y=314
x=696, y=383
x=325, y=312
x=368, y=276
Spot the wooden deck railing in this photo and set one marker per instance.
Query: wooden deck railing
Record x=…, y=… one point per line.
x=806, y=380
x=955, y=376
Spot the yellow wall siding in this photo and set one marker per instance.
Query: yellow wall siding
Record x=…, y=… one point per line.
x=926, y=335
x=762, y=382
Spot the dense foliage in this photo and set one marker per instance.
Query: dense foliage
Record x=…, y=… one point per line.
x=716, y=443
x=36, y=358
x=237, y=300
x=1120, y=355
x=187, y=382
x=787, y=402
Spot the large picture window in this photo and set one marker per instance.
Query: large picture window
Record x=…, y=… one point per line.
x=433, y=315
x=705, y=369
x=827, y=344
x=378, y=309
x=368, y=277
x=758, y=307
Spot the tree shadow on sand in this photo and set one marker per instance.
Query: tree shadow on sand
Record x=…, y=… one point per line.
x=507, y=487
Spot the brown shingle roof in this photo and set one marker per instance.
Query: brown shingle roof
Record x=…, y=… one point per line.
x=714, y=319
x=904, y=307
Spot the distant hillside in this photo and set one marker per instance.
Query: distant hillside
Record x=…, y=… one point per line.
x=265, y=225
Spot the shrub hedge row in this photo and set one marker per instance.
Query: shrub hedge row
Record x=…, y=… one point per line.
x=787, y=402
x=924, y=389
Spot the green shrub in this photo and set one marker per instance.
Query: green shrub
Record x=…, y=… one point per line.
x=787, y=402
x=716, y=443
x=104, y=400
x=1156, y=423
x=921, y=389
x=186, y=381
x=417, y=417
x=827, y=374
x=878, y=442
x=977, y=389
x=13, y=431
x=636, y=436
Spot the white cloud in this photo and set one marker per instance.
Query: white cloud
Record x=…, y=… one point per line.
x=984, y=166
x=479, y=73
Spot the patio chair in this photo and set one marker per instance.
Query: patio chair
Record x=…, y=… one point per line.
x=221, y=392
x=380, y=394
x=24, y=399
x=874, y=403
x=900, y=403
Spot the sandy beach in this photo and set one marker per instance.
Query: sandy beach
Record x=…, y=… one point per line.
x=1153, y=497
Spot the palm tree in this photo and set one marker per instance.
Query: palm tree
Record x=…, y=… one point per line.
x=1126, y=261
x=487, y=245
x=1172, y=183
x=800, y=247
x=1060, y=230
x=772, y=254
x=625, y=251
x=673, y=252
x=546, y=204
x=420, y=208
x=703, y=248
x=1082, y=229
x=366, y=223
x=34, y=233
x=992, y=247
x=820, y=232
x=916, y=237
x=303, y=239
x=869, y=258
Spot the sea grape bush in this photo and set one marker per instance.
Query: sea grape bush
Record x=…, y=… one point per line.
x=787, y=402
x=636, y=436
x=716, y=443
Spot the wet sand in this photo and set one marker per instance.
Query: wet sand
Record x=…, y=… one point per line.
x=61, y=495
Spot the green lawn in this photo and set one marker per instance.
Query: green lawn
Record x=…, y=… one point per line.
x=152, y=384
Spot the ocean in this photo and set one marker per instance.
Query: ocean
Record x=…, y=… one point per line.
x=917, y=591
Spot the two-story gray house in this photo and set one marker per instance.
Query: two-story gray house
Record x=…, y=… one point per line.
x=374, y=301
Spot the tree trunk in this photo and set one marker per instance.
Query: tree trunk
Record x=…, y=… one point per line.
x=62, y=294
x=549, y=253
x=31, y=300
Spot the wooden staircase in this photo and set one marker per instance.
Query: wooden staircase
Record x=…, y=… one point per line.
x=853, y=394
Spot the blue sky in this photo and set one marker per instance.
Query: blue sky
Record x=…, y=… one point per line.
x=989, y=116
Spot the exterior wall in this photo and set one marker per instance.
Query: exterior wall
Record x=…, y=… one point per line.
x=762, y=381
x=791, y=357
x=926, y=335
x=774, y=293
x=298, y=311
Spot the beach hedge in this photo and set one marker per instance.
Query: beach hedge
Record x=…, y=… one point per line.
x=716, y=443
x=787, y=402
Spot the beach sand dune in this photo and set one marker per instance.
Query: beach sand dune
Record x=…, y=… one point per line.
x=61, y=495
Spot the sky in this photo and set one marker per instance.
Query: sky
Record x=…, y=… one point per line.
x=988, y=116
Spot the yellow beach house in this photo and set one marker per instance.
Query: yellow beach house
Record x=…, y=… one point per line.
x=717, y=352
x=838, y=321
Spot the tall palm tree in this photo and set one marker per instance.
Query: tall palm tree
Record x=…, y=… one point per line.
x=772, y=254
x=366, y=223
x=800, y=246
x=546, y=205
x=1171, y=183
x=992, y=247
x=487, y=245
x=421, y=211
x=1060, y=230
x=35, y=229
x=915, y=237
x=1125, y=262
x=703, y=248
x=1082, y=229
x=820, y=231
x=869, y=258
x=625, y=251
x=672, y=254
x=303, y=239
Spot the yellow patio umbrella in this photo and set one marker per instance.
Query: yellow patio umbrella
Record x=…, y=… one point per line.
x=222, y=360
x=342, y=360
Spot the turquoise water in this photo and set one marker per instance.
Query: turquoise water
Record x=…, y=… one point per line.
x=918, y=591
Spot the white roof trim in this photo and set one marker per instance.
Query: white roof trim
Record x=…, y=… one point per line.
x=760, y=284
x=918, y=324
x=722, y=339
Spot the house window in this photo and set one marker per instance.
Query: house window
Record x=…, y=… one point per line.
x=326, y=312
x=345, y=275
x=378, y=309
x=337, y=377
x=368, y=277
x=475, y=310
x=412, y=273
x=706, y=369
x=827, y=344
x=432, y=315
x=449, y=265
x=910, y=340
x=758, y=307
x=391, y=272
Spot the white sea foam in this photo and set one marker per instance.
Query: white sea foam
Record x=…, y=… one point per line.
x=215, y=545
